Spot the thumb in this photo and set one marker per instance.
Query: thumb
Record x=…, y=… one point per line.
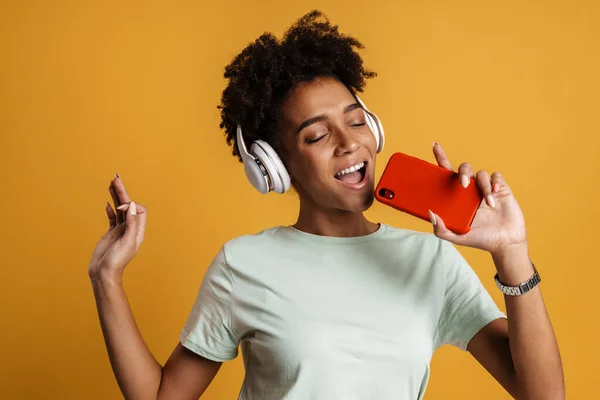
x=440, y=230
x=131, y=225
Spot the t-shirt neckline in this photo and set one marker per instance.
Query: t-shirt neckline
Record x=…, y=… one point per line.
x=335, y=239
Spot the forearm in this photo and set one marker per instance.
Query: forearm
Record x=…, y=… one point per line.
x=137, y=372
x=533, y=345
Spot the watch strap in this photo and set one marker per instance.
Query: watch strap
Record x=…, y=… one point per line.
x=522, y=288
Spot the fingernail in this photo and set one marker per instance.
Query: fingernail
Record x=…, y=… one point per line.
x=496, y=187
x=132, y=208
x=117, y=175
x=432, y=218
x=123, y=206
x=434, y=143
x=491, y=200
x=464, y=181
x=108, y=204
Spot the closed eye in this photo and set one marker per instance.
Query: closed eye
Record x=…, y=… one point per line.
x=309, y=141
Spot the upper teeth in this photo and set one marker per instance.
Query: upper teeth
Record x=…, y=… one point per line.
x=351, y=169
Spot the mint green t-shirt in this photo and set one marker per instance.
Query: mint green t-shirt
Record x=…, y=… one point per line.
x=327, y=318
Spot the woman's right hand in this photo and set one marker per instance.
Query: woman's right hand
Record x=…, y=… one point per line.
x=117, y=247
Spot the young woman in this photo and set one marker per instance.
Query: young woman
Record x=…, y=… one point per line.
x=335, y=306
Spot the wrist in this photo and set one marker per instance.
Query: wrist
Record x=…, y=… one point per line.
x=104, y=276
x=510, y=253
x=513, y=264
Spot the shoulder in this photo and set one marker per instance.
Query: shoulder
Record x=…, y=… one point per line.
x=253, y=241
x=413, y=239
x=424, y=248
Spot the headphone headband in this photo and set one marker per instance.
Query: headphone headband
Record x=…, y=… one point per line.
x=375, y=125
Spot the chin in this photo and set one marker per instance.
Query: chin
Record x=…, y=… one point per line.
x=368, y=200
x=360, y=203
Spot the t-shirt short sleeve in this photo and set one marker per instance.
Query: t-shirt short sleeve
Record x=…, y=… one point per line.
x=208, y=331
x=467, y=306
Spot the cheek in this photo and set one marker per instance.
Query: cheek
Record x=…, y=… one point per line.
x=310, y=170
x=370, y=142
x=319, y=166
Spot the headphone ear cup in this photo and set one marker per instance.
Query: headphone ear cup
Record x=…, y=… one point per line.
x=255, y=172
x=273, y=164
x=256, y=177
x=377, y=129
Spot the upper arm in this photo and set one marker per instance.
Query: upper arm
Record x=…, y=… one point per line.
x=186, y=375
x=490, y=347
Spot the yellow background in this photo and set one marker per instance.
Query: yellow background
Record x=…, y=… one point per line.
x=87, y=90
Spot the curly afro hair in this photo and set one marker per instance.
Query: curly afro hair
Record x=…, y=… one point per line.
x=266, y=71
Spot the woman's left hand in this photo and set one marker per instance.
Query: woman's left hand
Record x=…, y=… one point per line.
x=498, y=224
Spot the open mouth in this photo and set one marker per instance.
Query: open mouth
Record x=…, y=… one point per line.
x=352, y=175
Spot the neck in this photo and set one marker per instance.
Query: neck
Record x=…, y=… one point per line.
x=331, y=222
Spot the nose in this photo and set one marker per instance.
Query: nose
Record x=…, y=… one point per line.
x=346, y=142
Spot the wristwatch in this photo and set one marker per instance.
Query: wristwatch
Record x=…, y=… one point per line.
x=522, y=288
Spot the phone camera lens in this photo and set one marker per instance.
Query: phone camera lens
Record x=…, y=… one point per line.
x=386, y=194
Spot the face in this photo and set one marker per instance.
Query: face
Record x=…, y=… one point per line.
x=325, y=139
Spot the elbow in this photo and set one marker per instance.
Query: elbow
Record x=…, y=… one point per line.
x=157, y=395
x=555, y=391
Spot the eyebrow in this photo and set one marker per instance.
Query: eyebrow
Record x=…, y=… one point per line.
x=322, y=117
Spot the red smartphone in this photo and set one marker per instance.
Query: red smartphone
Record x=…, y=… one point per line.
x=416, y=186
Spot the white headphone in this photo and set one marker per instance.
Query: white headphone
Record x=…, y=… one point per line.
x=264, y=168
